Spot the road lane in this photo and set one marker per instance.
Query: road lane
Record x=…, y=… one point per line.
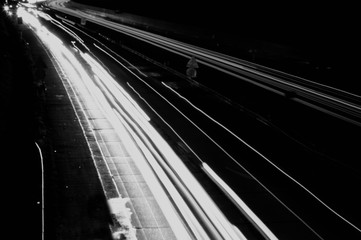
x=155, y=104
x=211, y=126
x=331, y=106
x=100, y=90
x=316, y=95
x=81, y=91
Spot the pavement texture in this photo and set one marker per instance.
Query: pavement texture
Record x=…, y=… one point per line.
x=21, y=168
x=45, y=134
x=37, y=112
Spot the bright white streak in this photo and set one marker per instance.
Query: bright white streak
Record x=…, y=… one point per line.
x=105, y=99
x=208, y=206
x=262, y=156
x=116, y=90
x=241, y=205
x=196, y=228
x=75, y=72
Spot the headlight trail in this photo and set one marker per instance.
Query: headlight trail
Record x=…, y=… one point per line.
x=91, y=96
x=263, y=157
x=97, y=87
x=115, y=99
x=163, y=151
x=340, y=104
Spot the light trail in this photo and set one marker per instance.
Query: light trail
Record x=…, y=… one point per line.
x=117, y=105
x=163, y=151
x=259, y=154
x=269, y=79
x=150, y=154
x=81, y=80
x=321, y=109
x=235, y=161
x=242, y=206
x=264, y=231
x=232, y=64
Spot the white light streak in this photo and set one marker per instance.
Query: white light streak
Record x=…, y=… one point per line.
x=116, y=90
x=121, y=101
x=264, y=230
x=126, y=130
x=79, y=78
x=265, y=158
x=117, y=99
x=121, y=110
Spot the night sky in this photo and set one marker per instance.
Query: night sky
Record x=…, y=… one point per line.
x=329, y=28
x=292, y=21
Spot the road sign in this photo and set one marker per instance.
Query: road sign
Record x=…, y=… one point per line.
x=191, y=72
x=192, y=63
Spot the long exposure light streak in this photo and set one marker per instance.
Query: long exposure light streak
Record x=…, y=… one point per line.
x=115, y=102
x=141, y=126
x=263, y=226
x=307, y=190
x=264, y=230
x=260, y=75
x=141, y=116
x=124, y=127
x=83, y=83
x=262, y=156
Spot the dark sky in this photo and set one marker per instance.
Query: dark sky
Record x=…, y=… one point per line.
x=328, y=28
x=291, y=20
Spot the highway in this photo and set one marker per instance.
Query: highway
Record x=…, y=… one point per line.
x=235, y=165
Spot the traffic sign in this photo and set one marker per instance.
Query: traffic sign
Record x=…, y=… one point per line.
x=191, y=72
x=192, y=63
